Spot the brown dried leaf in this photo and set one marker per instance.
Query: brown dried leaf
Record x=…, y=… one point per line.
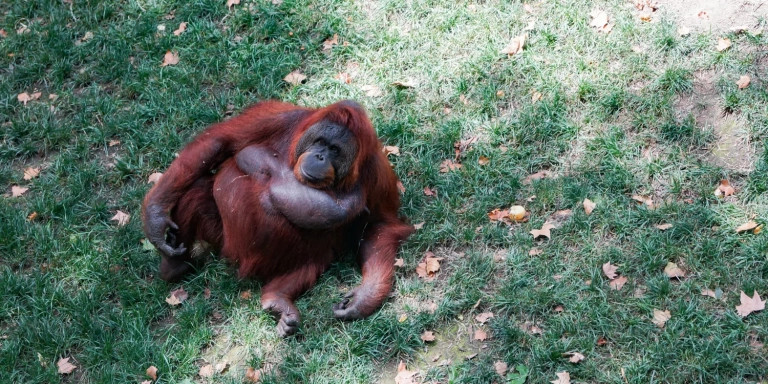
x=498, y=214
x=743, y=81
x=484, y=317
x=404, y=376
x=482, y=160
x=122, y=218
x=31, y=172
x=429, y=267
x=231, y=3
x=152, y=372
x=399, y=262
x=748, y=226
x=170, y=58
x=480, y=335
x=429, y=192
x=663, y=227
x=330, y=43
x=177, y=297
x=419, y=225
x=750, y=304
x=154, y=178
x=252, y=375
x=181, y=29
x=600, y=21
x=562, y=378
x=724, y=189
x=673, y=271
x=400, y=187
x=589, y=206
x=723, y=43
x=537, y=176
x=246, y=295
x=544, y=231
x=428, y=336
x=661, y=317
x=535, y=252
x=515, y=45
x=645, y=200
x=295, y=78
x=65, y=367
x=448, y=165
x=575, y=357
x=500, y=367
x=610, y=270
x=391, y=150
x=618, y=283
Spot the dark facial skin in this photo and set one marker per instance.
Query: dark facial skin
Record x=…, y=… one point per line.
x=303, y=205
x=325, y=153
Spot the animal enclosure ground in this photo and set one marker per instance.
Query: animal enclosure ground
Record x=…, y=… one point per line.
x=641, y=107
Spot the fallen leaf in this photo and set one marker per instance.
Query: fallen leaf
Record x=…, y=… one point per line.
x=152, y=372
x=32, y=216
x=673, y=271
x=535, y=252
x=484, y=317
x=536, y=96
x=400, y=187
x=498, y=214
x=53, y=97
x=618, y=283
x=391, y=150
x=663, y=227
x=543, y=232
x=246, y=295
x=253, y=375
x=537, y=176
x=206, y=371
x=500, y=367
x=419, y=225
x=562, y=378
x=404, y=376
x=661, y=317
x=747, y=226
x=428, y=336
x=714, y=294
x=601, y=341
x=177, y=297
x=600, y=21
x=750, y=304
x=112, y=143
x=429, y=192
x=371, y=90
x=146, y=382
x=65, y=367
x=683, y=31
x=170, y=58
x=724, y=189
x=154, y=178
x=448, y=165
x=399, y=262
x=402, y=318
x=330, y=43
x=231, y=3
x=531, y=328
x=344, y=77
x=482, y=160
x=405, y=83
x=575, y=357
x=517, y=213
x=559, y=309
x=589, y=206
x=181, y=29
x=723, y=43
x=645, y=200
x=23, y=98
x=122, y=218
x=295, y=78
x=610, y=270
x=31, y=172
x=429, y=267
x=743, y=81
x=515, y=45
x=480, y=335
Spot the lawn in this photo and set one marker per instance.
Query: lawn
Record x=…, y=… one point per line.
x=641, y=111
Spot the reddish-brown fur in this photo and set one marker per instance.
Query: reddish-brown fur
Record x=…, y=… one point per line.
x=224, y=209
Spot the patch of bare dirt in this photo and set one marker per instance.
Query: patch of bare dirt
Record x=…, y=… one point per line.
x=732, y=149
x=715, y=15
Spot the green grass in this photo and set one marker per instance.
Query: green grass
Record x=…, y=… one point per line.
x=610, y=124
